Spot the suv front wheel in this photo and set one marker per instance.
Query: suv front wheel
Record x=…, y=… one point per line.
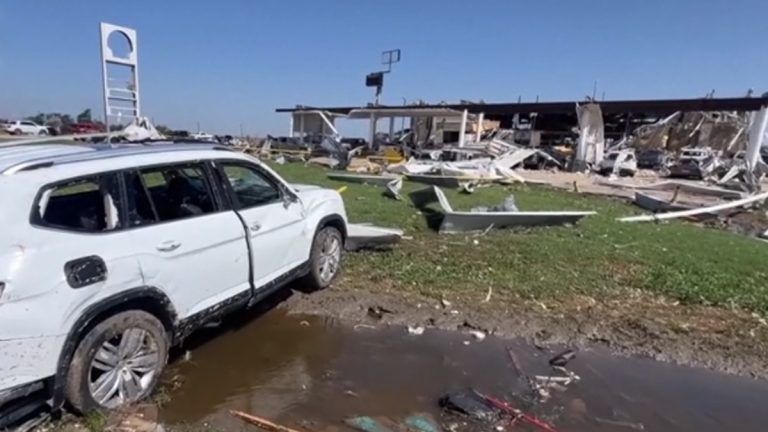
x=325, y=258
x=118, y=362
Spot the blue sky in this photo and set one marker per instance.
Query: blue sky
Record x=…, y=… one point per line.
x=224, y=63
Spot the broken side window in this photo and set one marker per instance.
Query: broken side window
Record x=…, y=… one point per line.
x=167, y=193
x=88, y=204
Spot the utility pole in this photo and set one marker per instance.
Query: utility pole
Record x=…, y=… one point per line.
x=241, y=131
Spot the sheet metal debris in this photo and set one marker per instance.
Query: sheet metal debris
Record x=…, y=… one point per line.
x=695, y=212
x=462, y=221
x=362, y=236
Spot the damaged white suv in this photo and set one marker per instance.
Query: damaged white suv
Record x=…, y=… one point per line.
x=109, y=255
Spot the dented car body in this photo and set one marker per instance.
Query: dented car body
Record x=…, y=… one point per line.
x=109, y=255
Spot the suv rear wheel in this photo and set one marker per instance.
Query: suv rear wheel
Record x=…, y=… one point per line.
x=118, y=362
x=325, y=258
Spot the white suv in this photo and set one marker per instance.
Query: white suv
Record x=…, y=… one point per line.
x=25, y=127
x=109, y=255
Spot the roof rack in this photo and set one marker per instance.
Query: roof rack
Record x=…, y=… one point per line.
x=59, y=139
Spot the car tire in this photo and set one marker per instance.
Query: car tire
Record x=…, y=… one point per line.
x=17, y=131
x=132, y=350
x=42, y=132
x=325, y=258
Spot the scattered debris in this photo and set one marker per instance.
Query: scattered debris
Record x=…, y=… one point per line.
x=371, y=424
x=378, y=312
x=327, y=162
x=477, y=334
x=363, y=236
x=699, y=211
x=488, y=295
x=562, y=359
x=262, y=423
x=415, y=330
x=455, y=221
x=377, y=180
x=618, y=423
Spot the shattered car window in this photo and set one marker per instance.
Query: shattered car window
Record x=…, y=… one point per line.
x=168, y=193
x=89, y=204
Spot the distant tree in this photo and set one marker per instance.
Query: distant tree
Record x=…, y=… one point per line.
x=51, y=119
x=39, y=118
x=85, y=116
x=163, y=129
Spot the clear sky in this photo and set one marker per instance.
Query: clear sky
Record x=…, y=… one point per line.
x=224, y=63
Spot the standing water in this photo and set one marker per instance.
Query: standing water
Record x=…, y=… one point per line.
x=310, y=371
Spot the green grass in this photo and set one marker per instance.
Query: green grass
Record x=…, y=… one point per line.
x=599, y=257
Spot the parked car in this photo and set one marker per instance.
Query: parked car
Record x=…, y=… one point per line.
x=652, y=159
x=82, y=128
x=694, y=163
x=203, y=136
x=626, y=160
x=111, y=255
x=26, y=127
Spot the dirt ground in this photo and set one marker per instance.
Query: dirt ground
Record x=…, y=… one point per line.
x=723, y=340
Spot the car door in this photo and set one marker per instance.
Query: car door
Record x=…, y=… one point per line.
x=189, y=244
x=273, y=217
x=28, y=127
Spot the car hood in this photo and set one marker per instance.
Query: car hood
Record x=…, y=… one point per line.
x=304, y=187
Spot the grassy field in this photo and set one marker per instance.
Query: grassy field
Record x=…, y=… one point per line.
x=599, y=258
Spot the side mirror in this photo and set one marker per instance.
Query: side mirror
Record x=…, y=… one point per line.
x=288, y=198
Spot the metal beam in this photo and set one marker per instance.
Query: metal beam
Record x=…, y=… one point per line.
x=661, y=107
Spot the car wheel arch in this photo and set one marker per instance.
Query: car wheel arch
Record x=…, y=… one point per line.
x=333, y=220
x=148, y=299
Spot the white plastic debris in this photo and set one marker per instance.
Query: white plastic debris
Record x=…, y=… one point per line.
x=415, y=331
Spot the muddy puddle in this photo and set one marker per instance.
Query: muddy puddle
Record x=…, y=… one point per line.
x=313, y=373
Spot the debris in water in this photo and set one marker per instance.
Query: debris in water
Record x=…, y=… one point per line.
x=563, y=358
x=415, y=331
x=262, y=423
x=446, y=304
x=304, y=323
x=187, y=356
x=370, y=424
x=515, y=362
x=517, y=414
x=477, y=334
x=422, y=423
x=630, y=425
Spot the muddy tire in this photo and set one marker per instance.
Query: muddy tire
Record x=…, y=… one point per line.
x=325, y=258
x=118, y=362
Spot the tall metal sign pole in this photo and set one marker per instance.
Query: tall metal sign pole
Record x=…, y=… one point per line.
x=376, y=79
x=120, y=76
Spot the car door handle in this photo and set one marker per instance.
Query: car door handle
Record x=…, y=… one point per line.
x=255, y=227
x=168, y=246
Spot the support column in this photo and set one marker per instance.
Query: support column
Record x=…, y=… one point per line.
x=301, y=127
x=479, y=129
x=391, y=128
x=372, y=131
x=463, y=128
x=290, y=132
